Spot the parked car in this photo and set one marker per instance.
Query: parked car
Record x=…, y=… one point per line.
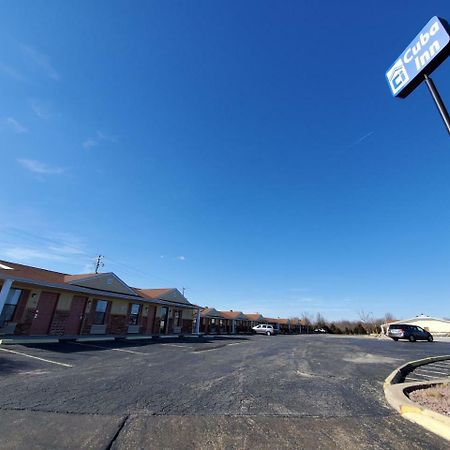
x=264, y=329
x=411, y=332
x=320, y=330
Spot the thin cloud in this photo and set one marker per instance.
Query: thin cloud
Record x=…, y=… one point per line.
x=30, y=254
x=99, y=137
x=41, y=109
x=31, y=246
x=13, y=125
x=40, y=167
x=11, y=72
x=181, y=258
x=40, y=61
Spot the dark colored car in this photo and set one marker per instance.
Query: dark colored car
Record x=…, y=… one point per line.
x=411, y=332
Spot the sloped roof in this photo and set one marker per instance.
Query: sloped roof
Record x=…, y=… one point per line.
x=73, y=282
x=154, y=293
x=81, y=276
x=234, y=315
x=277, y=320
x=254, y=317
x=32, y=273
x=421, y=317
x=171, y=295
x=210, y=312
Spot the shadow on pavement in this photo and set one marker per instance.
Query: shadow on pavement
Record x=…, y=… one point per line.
x=8, y=365
x=76, y=347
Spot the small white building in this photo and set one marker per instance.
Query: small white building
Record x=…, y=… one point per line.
x=437, y=327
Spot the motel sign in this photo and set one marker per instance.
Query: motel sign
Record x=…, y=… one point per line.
x=427, y=50
x=424, y=54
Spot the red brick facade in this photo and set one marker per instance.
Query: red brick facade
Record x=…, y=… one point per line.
x=58, y=325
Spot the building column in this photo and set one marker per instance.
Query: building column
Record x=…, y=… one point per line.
x=233, y=327
x=4, y=292
x=197, y=322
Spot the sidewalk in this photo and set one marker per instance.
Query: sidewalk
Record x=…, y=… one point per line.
x=12, y=340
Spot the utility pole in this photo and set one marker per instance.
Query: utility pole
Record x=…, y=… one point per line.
x=183, y=291
x=99, y=263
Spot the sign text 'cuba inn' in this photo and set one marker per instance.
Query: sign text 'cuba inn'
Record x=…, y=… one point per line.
x=428, y=49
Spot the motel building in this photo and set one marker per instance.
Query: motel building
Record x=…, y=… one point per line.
x=39, y=302
x=213, y=321
x=237, y=322
x=255, y=319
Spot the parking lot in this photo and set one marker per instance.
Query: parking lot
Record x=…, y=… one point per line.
x=303, y=391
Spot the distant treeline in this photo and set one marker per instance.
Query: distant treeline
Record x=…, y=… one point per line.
x=367, y=324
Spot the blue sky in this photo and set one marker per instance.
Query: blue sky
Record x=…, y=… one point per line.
x=249, y=151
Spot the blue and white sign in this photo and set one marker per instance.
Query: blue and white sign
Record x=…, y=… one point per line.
x=428, y=49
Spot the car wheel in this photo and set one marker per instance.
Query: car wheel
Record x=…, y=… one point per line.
x=268, y=333
x=430, y=338
x=412, y=339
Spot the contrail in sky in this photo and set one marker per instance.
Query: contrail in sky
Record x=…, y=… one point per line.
x=363, y=138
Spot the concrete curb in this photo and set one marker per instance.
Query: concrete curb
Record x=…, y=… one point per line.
x=395, y=392
x=13, y=340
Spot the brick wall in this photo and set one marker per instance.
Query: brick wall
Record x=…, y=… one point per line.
x=186, y=326
x=59, y=322
x=118, y=324
x=23, y=327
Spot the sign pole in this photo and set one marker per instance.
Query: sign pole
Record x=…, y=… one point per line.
x=438, y=100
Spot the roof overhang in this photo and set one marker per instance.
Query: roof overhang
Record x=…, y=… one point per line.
x=95, y=292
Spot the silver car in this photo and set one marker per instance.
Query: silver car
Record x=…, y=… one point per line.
x=263, y=328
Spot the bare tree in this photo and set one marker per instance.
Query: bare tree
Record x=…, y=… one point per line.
x=368, y=321
x=306, y=321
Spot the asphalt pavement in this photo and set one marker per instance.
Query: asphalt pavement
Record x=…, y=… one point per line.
x=301, y=391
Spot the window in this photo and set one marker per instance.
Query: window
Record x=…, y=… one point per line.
x=10, y=305
x=100, y=312
x=134, y=313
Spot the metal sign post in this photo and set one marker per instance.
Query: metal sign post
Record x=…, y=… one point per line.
x=438, y=100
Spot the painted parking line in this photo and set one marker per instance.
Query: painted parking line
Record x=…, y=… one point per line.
x=433, y=371
x=425, y=375
x=178, y=345
x=441, y=366
x=108, y=348
x=36, y=357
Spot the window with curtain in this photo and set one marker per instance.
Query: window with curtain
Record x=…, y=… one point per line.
x=100, y=312
x=134, y=314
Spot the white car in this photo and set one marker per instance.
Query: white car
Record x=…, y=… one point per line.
x=264, y=329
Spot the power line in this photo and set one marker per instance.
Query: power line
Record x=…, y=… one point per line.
x=132, y=269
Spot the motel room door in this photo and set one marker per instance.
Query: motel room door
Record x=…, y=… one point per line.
x=75, y=315
x=44, y=313
x=164, y=322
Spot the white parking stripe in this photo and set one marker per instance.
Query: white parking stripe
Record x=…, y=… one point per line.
x=432, y=371
x=179, y=345
x=36, y=357
x=441, y=366
x=206, y=350
x=108, y=348
x=426, y=376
